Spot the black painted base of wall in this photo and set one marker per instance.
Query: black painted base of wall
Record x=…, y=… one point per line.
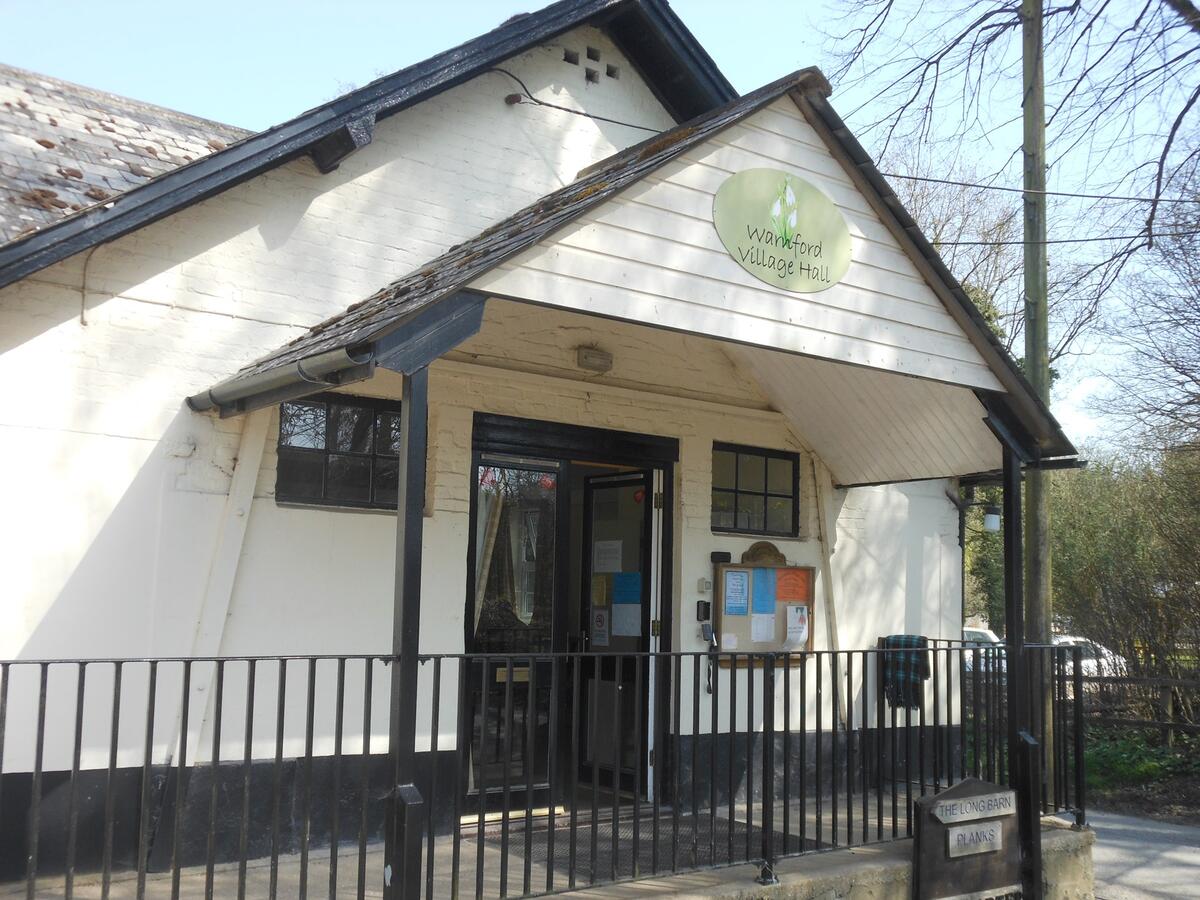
x=320, y=791
x=806, y=772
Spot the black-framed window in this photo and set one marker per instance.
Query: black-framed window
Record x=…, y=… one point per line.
x=337, y=450
x=755, y=491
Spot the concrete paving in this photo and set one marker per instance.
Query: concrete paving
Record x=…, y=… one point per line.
x=1140, y=859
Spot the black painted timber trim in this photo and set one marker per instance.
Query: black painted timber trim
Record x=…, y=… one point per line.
x=692, y=76
x=511, y=435
x=431, y=332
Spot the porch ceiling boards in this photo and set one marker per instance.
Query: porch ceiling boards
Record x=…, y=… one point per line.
x=870, y=426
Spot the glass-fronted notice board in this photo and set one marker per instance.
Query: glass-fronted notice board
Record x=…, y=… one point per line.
x=763, y=608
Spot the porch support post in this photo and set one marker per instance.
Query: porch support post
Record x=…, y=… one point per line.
x=406, y=808
x=1021, y=777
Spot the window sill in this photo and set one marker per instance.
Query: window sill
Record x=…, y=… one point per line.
x=757, y=535
x=334, y=507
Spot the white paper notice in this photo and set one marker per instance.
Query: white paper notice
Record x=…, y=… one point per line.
x=627, y=619
x=728, y=640
x=797, y=627
x=762, y=628
x=606, y=556
x=599, y=627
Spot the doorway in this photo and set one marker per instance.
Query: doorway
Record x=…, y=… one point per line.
x=568, y=569
x=617, y=605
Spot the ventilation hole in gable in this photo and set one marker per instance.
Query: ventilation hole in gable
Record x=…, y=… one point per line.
x=612, y=71
x=592, y=75
x=593, y=54
x=571, y=56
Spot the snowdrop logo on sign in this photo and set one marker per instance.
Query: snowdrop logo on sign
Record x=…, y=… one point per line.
x=782, y=230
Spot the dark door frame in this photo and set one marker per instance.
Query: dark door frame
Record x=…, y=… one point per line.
x=540, y=441
x=533, y=439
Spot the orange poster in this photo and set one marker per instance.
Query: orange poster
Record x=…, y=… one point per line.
x=793, y=584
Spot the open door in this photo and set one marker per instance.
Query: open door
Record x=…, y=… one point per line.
x=616, y=597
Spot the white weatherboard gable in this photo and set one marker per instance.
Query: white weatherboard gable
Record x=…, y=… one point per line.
x=651, y=254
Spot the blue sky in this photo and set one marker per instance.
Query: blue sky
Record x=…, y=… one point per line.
x=255, y=64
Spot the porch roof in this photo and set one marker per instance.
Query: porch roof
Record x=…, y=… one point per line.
x=346, y=346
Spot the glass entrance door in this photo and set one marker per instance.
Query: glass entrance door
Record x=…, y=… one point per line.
x=616, y=596
x=517, y=514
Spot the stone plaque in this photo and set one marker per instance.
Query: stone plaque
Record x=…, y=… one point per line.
x=970, y=809
x=967, y=840
x=965, y=843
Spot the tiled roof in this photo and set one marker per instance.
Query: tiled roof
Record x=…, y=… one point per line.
x=380, y=313
x=64, y=147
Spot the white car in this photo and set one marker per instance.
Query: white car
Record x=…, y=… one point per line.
x=980, y=637
x=991, y=655
x=1097, y=659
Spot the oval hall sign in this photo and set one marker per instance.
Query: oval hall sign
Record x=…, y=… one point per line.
x=782, y=230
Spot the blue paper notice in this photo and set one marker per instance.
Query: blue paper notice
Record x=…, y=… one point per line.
x=627, y=587
x=737, y=592
x=764, y=592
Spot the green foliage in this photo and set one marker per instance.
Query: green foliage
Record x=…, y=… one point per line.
x=1125, y=552
x=1130, y=758
x=1123, y=548
x=986, y=304
x=984, y=559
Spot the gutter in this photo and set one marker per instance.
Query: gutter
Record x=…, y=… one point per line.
x=243, y=393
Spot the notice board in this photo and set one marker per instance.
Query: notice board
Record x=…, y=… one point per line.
x=762, y=607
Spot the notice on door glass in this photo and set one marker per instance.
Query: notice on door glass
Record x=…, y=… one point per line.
x=627, y=587
x=627, y=620
x=599, y=591
x=599, y=627
x=606, y=556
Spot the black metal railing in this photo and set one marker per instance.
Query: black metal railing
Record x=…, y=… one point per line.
x=269, y=776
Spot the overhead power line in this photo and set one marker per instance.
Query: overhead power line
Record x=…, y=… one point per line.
x=1081, y=240
x=1015, y=190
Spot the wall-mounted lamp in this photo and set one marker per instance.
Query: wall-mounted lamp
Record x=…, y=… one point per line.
x=593, y=359
x=991, y=512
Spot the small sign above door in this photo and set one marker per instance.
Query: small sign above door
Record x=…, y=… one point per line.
x=782, y=230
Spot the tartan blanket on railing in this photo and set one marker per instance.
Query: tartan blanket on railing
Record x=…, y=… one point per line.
x=905, y=669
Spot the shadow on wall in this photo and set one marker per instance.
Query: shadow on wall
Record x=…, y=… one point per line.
x=899, y=546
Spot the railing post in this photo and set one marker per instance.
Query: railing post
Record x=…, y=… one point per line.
x=406, y=809
x=1079, y=735
x=766, y=875
x=1027, y=765
x=1023, y=771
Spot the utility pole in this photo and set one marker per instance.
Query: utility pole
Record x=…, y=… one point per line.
x=1037, y=355
x=1037, y=352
